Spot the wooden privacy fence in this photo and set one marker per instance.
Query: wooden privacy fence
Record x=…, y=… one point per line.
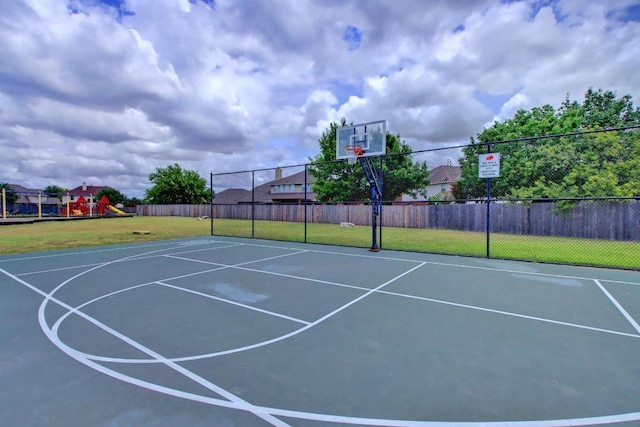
x=612, y=220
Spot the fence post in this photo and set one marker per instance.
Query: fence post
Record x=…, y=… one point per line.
x=253, y=204
x=4, y=204
x=488, y=209
x=39, y=204
x=211, y=201
x=305, y=202
x=381, y=159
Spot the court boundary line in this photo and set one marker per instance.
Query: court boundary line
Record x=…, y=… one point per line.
x=128, y=259
x=615, y=302
x=369, y=256
x=89, y=249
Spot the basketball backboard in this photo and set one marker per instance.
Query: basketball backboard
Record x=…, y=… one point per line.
x=368, y=138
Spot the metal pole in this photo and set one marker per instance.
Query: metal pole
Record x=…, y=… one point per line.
x=211, y=200
x=374, y=214
x=381, y=199
x=305, y=203
x=253, y=204
x=488, y=210
x=376, y=192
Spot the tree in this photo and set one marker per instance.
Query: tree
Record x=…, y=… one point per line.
x=112, y=194
x=132, y=202
x=10, y=195
x=337, y=181
x=587, y=165
x=54, y=190
x=174, y=185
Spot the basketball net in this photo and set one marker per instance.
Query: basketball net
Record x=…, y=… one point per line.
x=354, y=151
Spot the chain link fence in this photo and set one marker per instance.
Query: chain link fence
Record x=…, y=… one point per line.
x=571, y=199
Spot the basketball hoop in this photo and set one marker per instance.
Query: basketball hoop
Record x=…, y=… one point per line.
x=354, y=151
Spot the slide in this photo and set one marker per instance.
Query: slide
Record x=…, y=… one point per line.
x=116, y=210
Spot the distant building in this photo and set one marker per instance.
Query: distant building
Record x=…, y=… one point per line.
x=441, y=179
x=290, y=189
x=87, y=191
x=28, y=199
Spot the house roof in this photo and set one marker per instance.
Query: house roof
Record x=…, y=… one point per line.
x=263, y=194
x=91, y=189
x=30, y=195
x=230, y=195
x=20, y=189
x=444, y=174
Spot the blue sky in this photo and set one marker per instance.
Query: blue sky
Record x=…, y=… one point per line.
x=105, y=91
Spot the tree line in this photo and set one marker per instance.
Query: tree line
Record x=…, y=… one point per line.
x=577, y=161
x=170, y=185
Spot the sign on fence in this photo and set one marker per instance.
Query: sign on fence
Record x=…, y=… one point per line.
x=489, y=165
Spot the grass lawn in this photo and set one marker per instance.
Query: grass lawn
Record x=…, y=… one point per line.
x=54, y=235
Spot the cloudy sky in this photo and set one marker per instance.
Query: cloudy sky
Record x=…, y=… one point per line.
x=105, y=91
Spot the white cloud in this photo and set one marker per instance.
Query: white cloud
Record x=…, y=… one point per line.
x=94, y=94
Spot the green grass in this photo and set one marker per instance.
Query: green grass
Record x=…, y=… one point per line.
x=86, y=233
x=53, y=235
x=563, y=250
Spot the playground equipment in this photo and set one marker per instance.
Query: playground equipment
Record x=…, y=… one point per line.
x=116, y=210
x=81, y=207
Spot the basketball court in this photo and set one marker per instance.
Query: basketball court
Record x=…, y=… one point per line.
x=240, y=332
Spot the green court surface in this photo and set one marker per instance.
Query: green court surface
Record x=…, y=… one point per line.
x=219, y=331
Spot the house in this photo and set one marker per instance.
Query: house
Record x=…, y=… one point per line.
x=289, y=189
x=84, y=190
x=28, y=199
x=441, y=179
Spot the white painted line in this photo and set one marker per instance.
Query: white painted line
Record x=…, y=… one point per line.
x=301, y=278
x=127, y=259
x=184, y=252
x=619, y=307
x=507, y=313
x=56, y=325
x=248, y=307
x=22, y=282
x=354, y=255
x=60, y=269
x=444, y=264
x=242, y=263
x=88, y=251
